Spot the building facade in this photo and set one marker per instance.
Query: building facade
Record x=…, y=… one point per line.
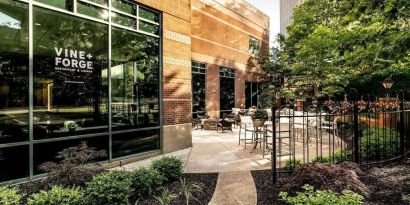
x=115, y=74
x=227, y=35
x=286, y=12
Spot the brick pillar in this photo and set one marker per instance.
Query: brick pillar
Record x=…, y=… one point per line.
x=212, y=90
x=239, y=89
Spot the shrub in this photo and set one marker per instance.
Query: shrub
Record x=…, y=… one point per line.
x=109, y=188
x=406, y=198
x=9, y=196
x=260, y=114
x=145, y=182
x=58, y=196
x=327, y=177
x=70, y=171
x=325, y=197
x=292, y=164
x=336, y=158
x=379, y=143
x=169, y=167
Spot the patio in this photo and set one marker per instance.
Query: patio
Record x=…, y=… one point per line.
x=216, y=152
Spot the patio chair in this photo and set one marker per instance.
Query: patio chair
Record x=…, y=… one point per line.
x=224, y=125
x=330, y=127
x=246, y=125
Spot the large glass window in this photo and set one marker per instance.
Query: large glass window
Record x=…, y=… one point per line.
x=125, y=144
x=14, y=163
x=134, y=80
x=70, y=94
x=66, y=87
x=14, y=90
x=226, y=89
x=251, y=94
x=198, y=87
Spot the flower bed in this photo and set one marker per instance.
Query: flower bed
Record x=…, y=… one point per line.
x=386, y=185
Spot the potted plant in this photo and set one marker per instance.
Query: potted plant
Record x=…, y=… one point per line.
x=71, y=126
x=259, y=117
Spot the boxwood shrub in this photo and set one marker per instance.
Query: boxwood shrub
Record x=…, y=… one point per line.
x=109, y=188
x=145, y=182
x=169, y=167
x=58, y=196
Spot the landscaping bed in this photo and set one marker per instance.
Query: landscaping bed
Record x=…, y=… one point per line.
x=386, y=184
x=70, y=182
x=207, y=180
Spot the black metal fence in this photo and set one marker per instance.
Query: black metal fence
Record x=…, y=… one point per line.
x=368, y=133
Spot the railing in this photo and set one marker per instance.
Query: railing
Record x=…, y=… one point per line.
x=364, y=133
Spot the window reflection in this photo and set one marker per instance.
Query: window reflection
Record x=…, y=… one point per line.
x=135, y=80
x=227, y=89
x=198, y=87
x=70, y=93
x=251, y=94
x=13, y=72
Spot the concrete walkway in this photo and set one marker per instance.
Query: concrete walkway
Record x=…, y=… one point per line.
x=220, y=152
x=234, y=188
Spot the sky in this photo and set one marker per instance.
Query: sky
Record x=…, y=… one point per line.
x=271, y=8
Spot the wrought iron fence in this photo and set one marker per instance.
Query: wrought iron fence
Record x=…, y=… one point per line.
x=368, y=133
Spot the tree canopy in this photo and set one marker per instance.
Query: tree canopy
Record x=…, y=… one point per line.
x=337, y=44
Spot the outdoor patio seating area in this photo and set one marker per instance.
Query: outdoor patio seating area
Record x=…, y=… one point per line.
x=249, y=147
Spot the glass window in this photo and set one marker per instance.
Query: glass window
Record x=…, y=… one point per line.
x=251, y=94
x=135, y=80
x=227, y=89
x=148, y=27
x=93, y=11
x=124, y=20
x=198, y=86
x=125, y=144
x=70, y=93
x=254, y=45
x=14, y=163
x=148, y=14
x=124, y=6
x=46, y=152
x=14, y=91
x=62, y=4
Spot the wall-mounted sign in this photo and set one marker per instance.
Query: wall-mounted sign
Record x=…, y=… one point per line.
x=73, y=60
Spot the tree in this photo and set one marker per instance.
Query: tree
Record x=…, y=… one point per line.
x=335, y=44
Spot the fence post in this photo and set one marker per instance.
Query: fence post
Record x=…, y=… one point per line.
x=402, y=137
x=273, y=153
x=355, y=133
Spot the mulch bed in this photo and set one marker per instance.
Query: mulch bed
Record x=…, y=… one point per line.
x=387, y=184
x=207, y=180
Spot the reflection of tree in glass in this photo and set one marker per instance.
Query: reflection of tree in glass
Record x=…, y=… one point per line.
x=77, y=88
